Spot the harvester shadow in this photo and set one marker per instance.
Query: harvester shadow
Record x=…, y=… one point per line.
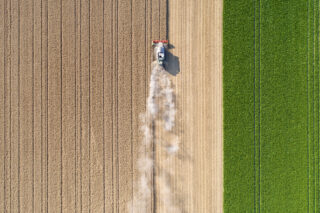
x=172, y=65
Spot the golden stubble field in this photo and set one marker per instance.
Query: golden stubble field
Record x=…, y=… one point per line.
x=74, y=81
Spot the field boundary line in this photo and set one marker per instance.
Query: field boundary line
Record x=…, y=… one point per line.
x=254, y=106
x=257, y=105
x=318, y=103
x=308, y=169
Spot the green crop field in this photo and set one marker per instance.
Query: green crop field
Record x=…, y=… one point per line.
x=271, y=105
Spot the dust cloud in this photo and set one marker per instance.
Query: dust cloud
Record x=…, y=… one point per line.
x=160, y=107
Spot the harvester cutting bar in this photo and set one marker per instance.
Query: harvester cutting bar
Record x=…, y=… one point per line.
x=158, y=41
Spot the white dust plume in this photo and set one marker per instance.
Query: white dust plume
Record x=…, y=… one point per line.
x=160, y=107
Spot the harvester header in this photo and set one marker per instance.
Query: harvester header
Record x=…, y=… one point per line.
x=159, y=41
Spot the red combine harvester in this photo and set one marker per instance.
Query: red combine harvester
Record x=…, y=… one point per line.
x=160, y=50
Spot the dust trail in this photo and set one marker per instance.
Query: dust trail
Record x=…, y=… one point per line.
x=170, y=110
x=160, y=107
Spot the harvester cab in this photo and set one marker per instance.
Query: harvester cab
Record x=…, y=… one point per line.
x=160, y=50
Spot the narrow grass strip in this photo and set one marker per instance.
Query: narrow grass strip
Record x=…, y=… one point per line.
x=316, y=94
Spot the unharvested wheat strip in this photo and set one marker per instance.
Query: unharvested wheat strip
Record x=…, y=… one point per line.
x=44, y=106
x=84, y=102
x=78, y=108
x=148, y=61
x=96, y=106
x=138, y=55
x=163, y=20
x=68, y=106
x=6, y=75
x=108, y=106
x=5, y=125
x=115, y=156
x=26, y=107
x=149, y=56
x=54, y=106
x=155, y=10
x=13, y=96
x=2, y=112
x=141, y=201
x=124, y=104
x=37, y=107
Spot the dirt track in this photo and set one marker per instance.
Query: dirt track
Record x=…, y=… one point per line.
x=74, y=78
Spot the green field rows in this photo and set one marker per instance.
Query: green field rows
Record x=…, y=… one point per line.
x=271, y=106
